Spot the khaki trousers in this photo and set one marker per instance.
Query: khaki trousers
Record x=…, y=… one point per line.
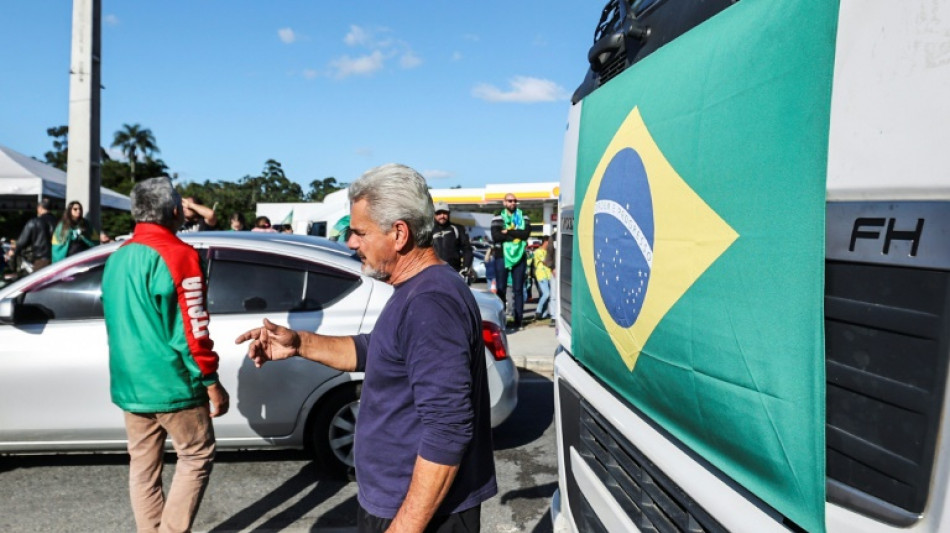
x=193, y=438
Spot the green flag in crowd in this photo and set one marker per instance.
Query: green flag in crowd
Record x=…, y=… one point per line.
x=289, y=219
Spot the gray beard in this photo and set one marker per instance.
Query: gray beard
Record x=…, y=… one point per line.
x=375, y=274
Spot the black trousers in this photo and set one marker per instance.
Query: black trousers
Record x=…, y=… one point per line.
x=517, y=285
x=467, y=521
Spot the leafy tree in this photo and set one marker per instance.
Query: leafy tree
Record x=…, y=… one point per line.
x=121, y=178
x=152, y=168
x=114, y=175
x=59, y=155
x=117, y=175
x=139, y=146
x=132, y=140
x=319, y=189
x=273, y=170
x=272, y=185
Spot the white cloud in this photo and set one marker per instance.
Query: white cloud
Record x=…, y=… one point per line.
x=358, y=36
x=364, y=152
x=409, y=60
x=111, y=20
x=456, y=56
x=310, y=73
x=435, y=174
x=357, y=66
x=523, y=89
x=286, y=35
x=381, y=50
x=471, y=37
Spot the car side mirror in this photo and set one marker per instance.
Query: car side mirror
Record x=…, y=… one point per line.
x=7, y=310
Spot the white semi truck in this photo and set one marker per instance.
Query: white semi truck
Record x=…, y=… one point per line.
x=754, y=270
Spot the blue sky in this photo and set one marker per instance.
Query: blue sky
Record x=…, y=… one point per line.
x=468, y=93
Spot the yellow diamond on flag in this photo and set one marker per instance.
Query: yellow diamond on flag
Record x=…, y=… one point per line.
x=644, y=236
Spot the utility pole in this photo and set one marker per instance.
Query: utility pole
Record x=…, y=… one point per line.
x=83, y=174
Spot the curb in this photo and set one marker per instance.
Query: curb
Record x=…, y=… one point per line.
x=538, y=364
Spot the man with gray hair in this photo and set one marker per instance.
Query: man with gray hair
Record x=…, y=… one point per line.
x=162, y=363
x=423, y=448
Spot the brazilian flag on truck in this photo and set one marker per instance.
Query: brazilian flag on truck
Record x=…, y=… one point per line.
x=700, y=197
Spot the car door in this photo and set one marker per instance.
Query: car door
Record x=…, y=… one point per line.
x=54, y=386
x=246, y=286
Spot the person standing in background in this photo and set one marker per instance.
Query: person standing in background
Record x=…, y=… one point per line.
x=550, y=260
x=73, y=234
x=450, y=242
x=262, y=224
x=37, y=236
x=542, y=274
x=237, y=221
x=510, y=230
x=198, y=217
x=162, y=364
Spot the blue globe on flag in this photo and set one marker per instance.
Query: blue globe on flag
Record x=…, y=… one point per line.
x=623, y=237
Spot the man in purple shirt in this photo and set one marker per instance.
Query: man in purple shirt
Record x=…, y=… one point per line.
x=423, y=449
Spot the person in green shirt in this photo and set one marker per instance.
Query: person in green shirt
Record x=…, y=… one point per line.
x=163, y=370
x=73, y=234
x=510, y=230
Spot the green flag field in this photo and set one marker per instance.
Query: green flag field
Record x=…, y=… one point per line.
x=700, y=187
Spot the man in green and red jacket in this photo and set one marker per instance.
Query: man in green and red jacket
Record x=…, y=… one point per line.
x=162, y=361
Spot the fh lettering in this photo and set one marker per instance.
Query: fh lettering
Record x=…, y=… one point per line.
x=873, y=228
x=194, y=303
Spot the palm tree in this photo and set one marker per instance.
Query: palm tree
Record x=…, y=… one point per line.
x=132, y=139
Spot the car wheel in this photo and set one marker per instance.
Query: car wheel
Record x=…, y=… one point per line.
x=333, y=428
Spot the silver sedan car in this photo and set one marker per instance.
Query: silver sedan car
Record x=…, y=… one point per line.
x=54, y=386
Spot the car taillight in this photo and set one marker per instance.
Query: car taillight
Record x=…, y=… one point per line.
x=492, y=335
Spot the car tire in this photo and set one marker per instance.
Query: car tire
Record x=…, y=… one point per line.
x=332, y=430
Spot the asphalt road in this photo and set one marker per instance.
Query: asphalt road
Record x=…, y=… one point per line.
x=275, y=491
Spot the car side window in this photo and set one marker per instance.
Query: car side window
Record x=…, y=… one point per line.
x=75, y=294
x=239, y=287
x=243, y=281
x=325, y=288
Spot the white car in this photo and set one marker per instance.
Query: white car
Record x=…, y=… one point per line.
x=54, y=386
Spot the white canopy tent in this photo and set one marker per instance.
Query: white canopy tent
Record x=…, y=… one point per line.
x=22, y=176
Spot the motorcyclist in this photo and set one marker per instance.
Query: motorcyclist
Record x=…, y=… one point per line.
x=36, y=237
x=451, y=242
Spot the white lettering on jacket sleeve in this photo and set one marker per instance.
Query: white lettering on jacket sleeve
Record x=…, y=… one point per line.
x=194, y=300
